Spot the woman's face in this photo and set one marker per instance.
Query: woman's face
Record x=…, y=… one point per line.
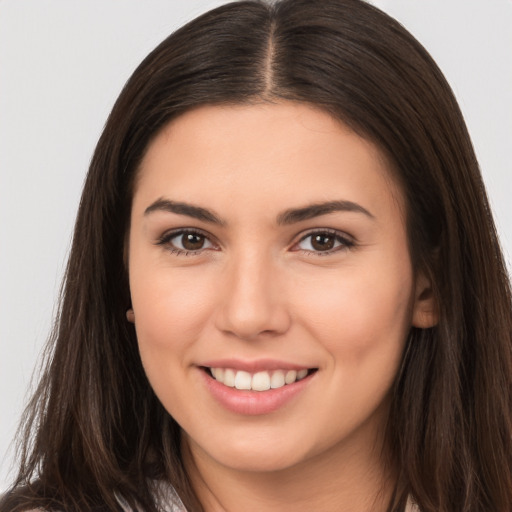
x=271, y=283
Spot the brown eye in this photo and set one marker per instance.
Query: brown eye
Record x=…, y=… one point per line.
x=186, y=242
x=324, y=242
x=192, y=241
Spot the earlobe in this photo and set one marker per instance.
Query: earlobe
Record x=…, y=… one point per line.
x=130, y=316
x=426, y=311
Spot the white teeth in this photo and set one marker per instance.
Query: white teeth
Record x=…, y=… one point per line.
x=291, y=376
x=243, y=380
x=277, y=379
x=301, y=374
x=218, y=373
x=259, y=381
x=229, y=378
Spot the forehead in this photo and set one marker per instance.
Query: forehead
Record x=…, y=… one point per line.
x=267, y=152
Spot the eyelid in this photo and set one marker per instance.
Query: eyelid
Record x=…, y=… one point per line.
x=167, y=236
x=347, y=241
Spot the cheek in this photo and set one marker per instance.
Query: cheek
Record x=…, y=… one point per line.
x=171, y=307
x=367, y=313
x=171, y=311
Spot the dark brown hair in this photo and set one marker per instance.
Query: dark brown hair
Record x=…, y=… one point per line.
x=94, y=427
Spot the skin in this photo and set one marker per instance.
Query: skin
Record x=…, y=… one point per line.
x=259, y=289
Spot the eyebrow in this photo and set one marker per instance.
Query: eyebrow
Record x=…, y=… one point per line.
x=294, y=215
x=290, y=216
x=196, y=212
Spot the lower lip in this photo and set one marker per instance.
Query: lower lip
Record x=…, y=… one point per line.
x=252, y=403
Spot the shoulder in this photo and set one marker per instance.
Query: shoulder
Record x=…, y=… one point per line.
x=166, y=498
x=411, y=506
x=11, y=501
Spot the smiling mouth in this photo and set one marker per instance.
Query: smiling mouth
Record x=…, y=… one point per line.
x=259, y=381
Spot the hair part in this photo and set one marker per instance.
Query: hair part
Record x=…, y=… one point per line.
x=94, y=427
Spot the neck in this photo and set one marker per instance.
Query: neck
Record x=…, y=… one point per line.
x=350, y=477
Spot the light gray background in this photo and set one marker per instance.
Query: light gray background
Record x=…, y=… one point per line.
x=63, y=63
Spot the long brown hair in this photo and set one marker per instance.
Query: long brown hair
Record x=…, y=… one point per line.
x=94, y=427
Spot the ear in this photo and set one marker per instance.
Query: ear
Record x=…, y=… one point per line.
x=130, y=316
x=425, y=310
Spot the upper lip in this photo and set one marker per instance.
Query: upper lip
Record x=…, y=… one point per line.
x=254, y=366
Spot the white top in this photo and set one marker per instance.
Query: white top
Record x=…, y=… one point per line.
x=169, y=501
x=166, y=497
x=411, y=506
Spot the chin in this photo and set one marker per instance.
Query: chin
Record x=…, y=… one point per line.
x=253, y=455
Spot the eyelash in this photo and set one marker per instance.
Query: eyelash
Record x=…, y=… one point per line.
x=345, y=242
x=165, y=240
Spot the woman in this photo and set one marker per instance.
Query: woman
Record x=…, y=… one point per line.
x=285, y=289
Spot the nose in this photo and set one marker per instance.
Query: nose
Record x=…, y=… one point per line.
x=252, y=302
